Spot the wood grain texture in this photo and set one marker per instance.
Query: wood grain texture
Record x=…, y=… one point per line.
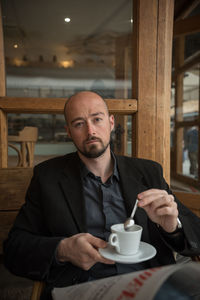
x=3, y=140
x=163, y=84
x=178, y=141
x=56, y=105
x=153, y=29
x=13, y=186
x=191, y=200
x=190, y=25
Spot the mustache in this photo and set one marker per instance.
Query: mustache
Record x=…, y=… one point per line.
x=92, y=138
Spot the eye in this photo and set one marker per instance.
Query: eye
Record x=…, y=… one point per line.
x=78, y=124
x=97, y=120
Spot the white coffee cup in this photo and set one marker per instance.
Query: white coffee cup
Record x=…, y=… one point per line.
x=125, y=242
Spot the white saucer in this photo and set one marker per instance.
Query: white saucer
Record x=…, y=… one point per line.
x=145, y=252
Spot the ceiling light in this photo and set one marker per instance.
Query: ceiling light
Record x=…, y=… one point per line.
x=15, y=46
x=67, y=63
x=67, y=20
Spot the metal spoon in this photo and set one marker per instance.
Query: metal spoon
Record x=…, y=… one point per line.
x=130, y=222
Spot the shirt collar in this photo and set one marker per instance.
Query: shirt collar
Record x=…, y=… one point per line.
x=85, y=172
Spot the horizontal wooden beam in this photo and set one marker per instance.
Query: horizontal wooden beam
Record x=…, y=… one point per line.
x=121, y=106
x=191, y=123
x=187, y=26
x=186, y=179
x=56, y=105
x=188, y=196
x=190, y=200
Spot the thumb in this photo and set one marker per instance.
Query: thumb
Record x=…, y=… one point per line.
x=98, y=243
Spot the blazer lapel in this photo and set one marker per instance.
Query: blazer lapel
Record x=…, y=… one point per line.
x=71, y=186
x=132, y=184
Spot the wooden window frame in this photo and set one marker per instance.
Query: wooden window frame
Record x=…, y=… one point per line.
x=151, y=82
x=183, y=26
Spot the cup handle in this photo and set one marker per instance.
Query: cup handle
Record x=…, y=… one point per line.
x=113, y=240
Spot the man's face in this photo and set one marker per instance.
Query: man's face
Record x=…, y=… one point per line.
x=88, y=124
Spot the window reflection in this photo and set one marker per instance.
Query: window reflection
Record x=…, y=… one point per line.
x=190, y=151
x=191, y=93
x=47, y=56
x=52, y=137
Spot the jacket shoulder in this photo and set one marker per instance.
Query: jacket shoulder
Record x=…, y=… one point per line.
x=150, y=172
x=139, y=163
x=58, y=162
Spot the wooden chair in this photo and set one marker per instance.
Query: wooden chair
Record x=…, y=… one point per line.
x=13, y=185
x=27, y=138
x=37, y=290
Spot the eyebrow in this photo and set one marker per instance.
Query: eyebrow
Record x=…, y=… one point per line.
x=91, y=115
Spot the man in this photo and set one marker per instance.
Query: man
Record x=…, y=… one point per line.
x=73, y=200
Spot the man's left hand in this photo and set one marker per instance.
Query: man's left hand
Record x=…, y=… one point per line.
x=160, y=207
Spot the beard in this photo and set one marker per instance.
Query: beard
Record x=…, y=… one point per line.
x=94, y=151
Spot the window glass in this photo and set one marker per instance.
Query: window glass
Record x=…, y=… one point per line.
x=56, y=48
x=195, y=11
x=191, y=93
x=192, y=44
x=52, y=138
x=190, y=151
x=172, y=117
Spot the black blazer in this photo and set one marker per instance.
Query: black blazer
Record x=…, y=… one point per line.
x=54, y=209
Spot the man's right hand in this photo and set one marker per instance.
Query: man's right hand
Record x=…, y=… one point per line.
x=82, y=250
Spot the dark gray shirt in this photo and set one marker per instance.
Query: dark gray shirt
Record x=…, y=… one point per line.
x=104, y=203
x=105, y=206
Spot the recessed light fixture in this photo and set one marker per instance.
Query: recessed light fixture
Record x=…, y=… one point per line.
x=67, y=20
x=15, y=46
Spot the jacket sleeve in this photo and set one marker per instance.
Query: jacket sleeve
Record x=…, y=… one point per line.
x=29, y=249
x=190, y=223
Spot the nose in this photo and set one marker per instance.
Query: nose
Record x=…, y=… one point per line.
x=90, y=129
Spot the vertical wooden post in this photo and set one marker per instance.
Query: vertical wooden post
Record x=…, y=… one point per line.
x=179, y=60
x=120, y=73
x=3, y=116
x=199, y=131
x=152, y=38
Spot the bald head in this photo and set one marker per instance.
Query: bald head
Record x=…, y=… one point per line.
x=82, y=98
x=89, y=124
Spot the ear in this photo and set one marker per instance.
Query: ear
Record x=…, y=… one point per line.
x=112, y=122
x=67, y=130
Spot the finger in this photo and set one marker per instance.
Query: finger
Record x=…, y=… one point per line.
x=151, y=196
x=96, y=242
x=107, y=261
x=163, y=201
x=149, y=192
x=168, y=210
x=96, y=256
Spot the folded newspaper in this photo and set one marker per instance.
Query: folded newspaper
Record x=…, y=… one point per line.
x=179, y=281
